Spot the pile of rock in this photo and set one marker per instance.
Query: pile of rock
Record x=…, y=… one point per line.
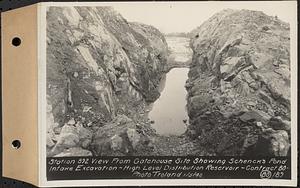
x=72, y=140
x=239, y=84
x=122, y=137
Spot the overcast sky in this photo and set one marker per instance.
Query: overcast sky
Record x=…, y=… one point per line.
x=183, y=17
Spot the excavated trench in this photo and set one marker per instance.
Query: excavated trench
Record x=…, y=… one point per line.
x=168, y=114
x=238, y=86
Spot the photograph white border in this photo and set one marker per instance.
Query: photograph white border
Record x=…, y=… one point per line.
x=42, y=104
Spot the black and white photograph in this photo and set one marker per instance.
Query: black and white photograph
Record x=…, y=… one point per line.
x=117, y=87
x=170, y=90
x=149, y=93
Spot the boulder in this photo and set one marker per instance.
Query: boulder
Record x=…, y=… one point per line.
x=50, y=142
x=277, y=123
x=192, y=134
x=116, y=142
x=274, y=90
x=265, y=97
x=122, y=119
x=255, y=115
x=199, y=102
x=133, y=137
x=67, y=140
x=69, y=128
x=73, y=134
x=273, y=143
x=71, y=122
x=247, y=77
x=85, y=136
x=229, y=65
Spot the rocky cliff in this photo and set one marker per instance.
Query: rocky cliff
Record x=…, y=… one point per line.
x=101, y=70
x=239, y=84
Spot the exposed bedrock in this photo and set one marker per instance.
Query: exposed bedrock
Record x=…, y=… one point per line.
x=101, y=70
x=239, y=84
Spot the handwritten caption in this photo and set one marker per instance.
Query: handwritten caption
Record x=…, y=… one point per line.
x=174, y=167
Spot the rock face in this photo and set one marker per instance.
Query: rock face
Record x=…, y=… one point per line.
x=239, y=84
x=98, y=66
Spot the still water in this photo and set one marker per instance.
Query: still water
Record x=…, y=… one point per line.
x=169, y=111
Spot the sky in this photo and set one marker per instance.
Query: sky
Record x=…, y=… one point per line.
x=171, y=17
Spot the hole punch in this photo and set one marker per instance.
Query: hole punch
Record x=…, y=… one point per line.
x=16, y=144
x=16, y=41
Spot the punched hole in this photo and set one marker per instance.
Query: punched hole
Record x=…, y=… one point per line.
x=16, y=144
x=16, y=41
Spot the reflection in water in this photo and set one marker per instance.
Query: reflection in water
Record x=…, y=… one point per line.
x=169, y=111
